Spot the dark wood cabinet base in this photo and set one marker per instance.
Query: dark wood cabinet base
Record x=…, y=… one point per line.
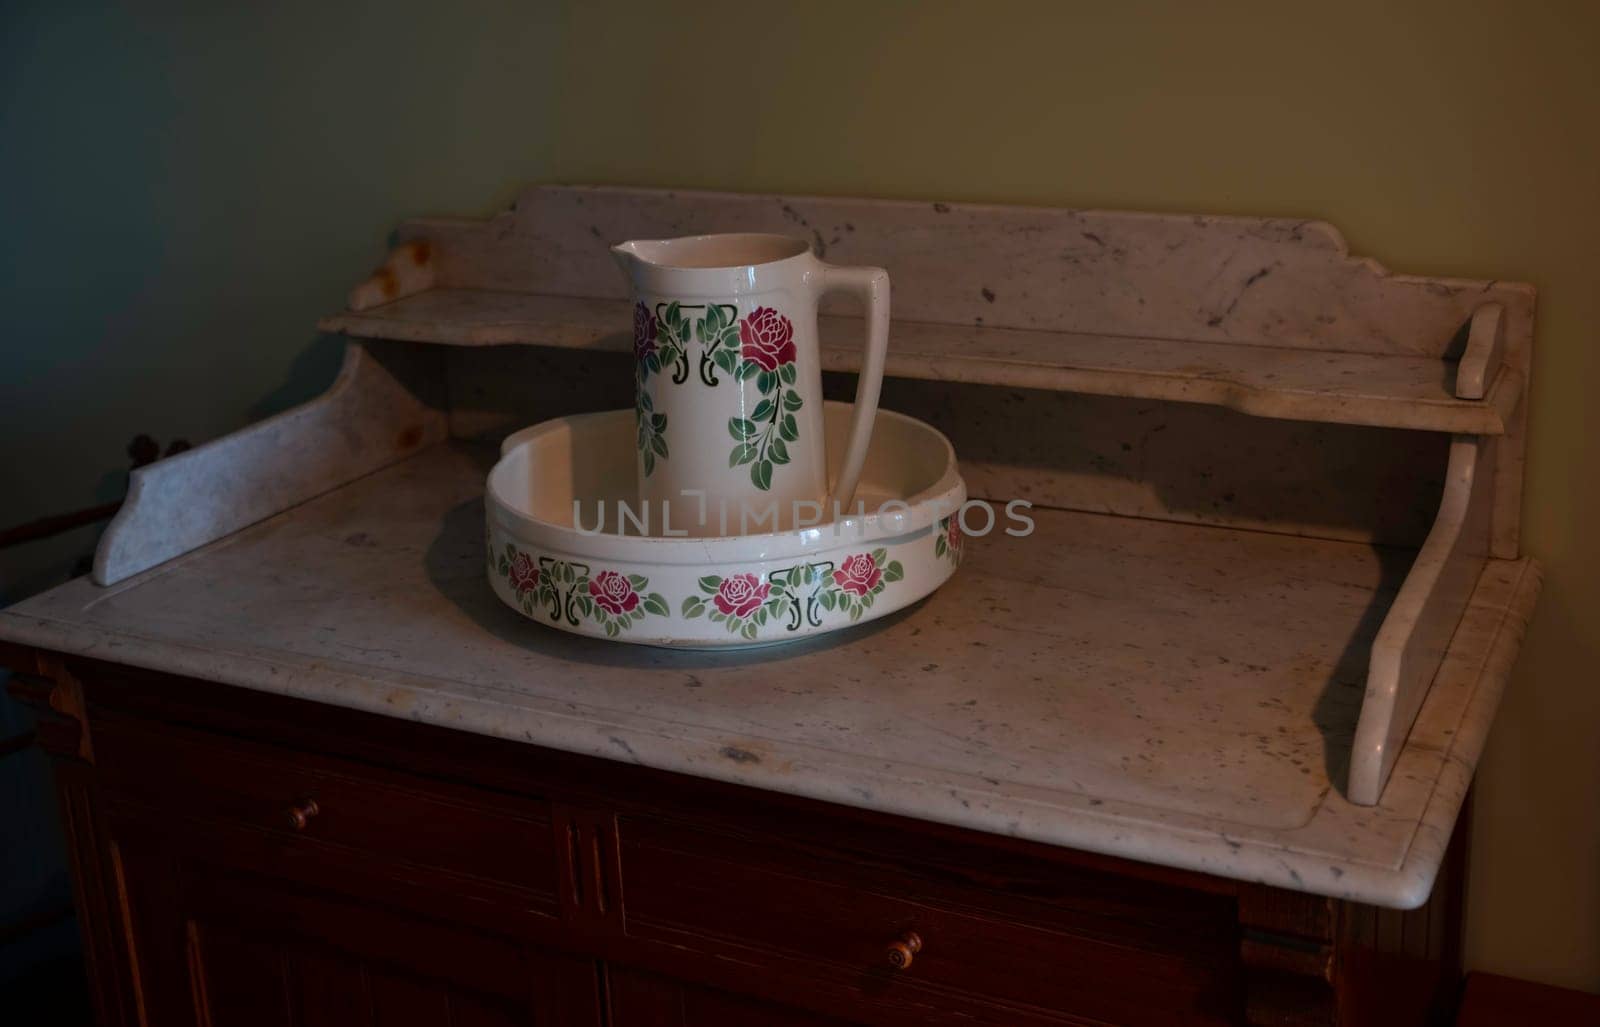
x=247, y=859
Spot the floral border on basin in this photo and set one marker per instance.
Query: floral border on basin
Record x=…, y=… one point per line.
x=949, y=542
x=796, y=597
x=743, y=603
x=569, y=590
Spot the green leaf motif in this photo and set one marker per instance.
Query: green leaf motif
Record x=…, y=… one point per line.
x=789, y=431
x=693, y=606
x=656, y=603
x=894, y=572
x=740, y=428
x=761, y=474
x=710, y=583
x=788, y=373
x=792, y=400
x=762, y=411
x=651, y=436
x=742, y=454
x=779, y=453
x=766, y=381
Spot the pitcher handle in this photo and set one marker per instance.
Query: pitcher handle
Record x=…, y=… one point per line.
x=871, y=284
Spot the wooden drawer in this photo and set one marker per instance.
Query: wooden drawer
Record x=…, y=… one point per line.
x=1126, y=953
x=365, y=814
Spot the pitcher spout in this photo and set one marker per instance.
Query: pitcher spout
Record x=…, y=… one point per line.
x=626, y=254
x=723, y=252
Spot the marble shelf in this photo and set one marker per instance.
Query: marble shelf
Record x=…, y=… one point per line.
x=1179, y=694
x=1396, y=390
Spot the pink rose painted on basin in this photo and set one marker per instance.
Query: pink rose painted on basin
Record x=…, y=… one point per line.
x=767, y=339
x=858, y=574
x=523, y=574
x=741, y=595
x=613, y=593
x=644, y=331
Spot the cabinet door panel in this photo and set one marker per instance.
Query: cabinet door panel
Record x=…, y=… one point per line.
x=641, y=999
x=400, y=1001
x=245, y=981
x=331, y=989
x=220, y=946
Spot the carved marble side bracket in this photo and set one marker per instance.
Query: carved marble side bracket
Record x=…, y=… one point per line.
x=1486, y=351
x=1412, y=641
x=385, y=405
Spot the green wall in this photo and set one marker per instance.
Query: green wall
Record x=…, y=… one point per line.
x=185, y=189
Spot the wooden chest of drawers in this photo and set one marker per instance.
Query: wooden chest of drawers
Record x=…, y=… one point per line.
x=249, y=859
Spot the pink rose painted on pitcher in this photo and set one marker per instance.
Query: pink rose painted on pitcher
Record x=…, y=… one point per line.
x=613, y=593
x=741, y=595
x=859, y=574
x=767, y=339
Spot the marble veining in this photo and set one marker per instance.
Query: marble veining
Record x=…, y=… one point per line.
x=1173, y=693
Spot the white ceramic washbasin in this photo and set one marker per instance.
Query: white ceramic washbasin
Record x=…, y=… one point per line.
x=732, y=590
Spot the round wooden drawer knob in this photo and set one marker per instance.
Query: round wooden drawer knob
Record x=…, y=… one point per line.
x=902, y=951
x=300, y=816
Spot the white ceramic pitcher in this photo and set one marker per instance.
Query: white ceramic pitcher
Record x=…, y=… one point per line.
x=729, y=381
